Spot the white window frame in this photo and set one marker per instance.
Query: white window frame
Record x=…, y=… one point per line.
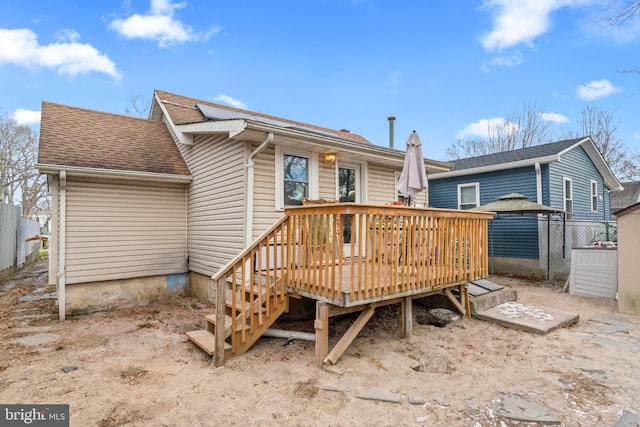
x=593, y=189
x=398, y=194
x=565, y=198
x=279, y=174
x=465, y=185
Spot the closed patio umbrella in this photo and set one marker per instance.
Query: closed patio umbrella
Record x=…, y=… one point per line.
x=413, y=178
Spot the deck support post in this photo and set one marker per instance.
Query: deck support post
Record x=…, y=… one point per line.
x=321, y=325
x=221, y=291
x=464, y=293
x=351, y=334
x=407, y=317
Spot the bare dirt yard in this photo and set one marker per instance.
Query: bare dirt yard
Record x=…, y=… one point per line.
x=135, y=367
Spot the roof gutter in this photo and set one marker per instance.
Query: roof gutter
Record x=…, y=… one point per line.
x=538, y=183
x=384, y=154
x=112, y=173
x=250, y=188
x=236, y=127
x=493, y=168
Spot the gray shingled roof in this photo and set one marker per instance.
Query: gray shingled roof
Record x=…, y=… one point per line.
x=627, y=197
x=535, y=152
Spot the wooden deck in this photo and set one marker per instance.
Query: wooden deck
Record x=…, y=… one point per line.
x=348, y=257
x=392, y=283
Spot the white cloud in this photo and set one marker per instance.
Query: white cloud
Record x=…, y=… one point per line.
x=596, y=89
x=231, y=101
x=554, y=117
x=481, y=128
x=26, y=117
x=20, y=47
x=502, y=61
x=518, y=21
x=507, y=61
x=159, y=24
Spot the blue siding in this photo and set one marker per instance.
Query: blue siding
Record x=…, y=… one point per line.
x=443, y=193
x=514, y=236
x=518, y=237
x=577, y=165
x=546, y=198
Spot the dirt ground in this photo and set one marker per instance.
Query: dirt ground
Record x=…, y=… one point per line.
x=135, y=367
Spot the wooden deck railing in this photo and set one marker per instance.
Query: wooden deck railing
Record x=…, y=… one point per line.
x=346, y=254
x=394, y=250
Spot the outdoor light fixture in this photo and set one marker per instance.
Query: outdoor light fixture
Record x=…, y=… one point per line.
x=330, y=160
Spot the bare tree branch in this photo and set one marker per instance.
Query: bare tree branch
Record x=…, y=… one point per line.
x=138, y=106
x=20, y=182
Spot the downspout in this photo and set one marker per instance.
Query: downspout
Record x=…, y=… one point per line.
x=539, y=201
x=62, y=231
x=248, y=226
x=538, y=184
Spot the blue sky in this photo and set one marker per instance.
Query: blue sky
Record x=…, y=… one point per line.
x=445, y=69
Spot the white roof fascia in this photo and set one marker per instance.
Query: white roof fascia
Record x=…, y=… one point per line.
x=494, y=168
x=112, y=173
x=234, y=127
x=589, y=146
x=182, y=138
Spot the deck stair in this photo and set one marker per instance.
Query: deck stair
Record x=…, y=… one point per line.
x=304, y=254
x=249, y=307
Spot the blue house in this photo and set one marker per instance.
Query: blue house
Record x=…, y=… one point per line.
x=570, y=175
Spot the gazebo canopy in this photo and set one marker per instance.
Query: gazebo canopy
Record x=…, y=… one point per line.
x=514, y=203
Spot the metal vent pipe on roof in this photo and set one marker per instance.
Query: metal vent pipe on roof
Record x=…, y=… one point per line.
x=391, y=119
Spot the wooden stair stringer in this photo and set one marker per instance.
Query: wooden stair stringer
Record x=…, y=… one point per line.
x=239, y=347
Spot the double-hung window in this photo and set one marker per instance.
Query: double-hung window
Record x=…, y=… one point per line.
x=567, y=194
x=296, y=177
x=468, y=196
x=594, y=196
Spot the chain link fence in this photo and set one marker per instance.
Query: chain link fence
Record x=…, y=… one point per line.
x=539, y=247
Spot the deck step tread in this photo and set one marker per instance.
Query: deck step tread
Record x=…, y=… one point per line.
x=211, y=323
x=247, y=304
x=206, y=341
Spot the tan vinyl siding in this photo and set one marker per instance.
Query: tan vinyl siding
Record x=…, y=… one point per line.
x=216, y=202
x=264, y=193
x=119, y=230
x=327, y=189
x=381, y=184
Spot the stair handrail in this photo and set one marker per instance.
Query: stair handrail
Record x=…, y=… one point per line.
x=224, y=270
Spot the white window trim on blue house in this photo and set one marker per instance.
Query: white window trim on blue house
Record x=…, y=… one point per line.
x=477, y=194
x=567, y=199
x=312, y=174
x=594, y=195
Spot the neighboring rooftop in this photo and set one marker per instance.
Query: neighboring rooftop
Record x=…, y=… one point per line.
x=534, y=152
x=630, y=195
x=77, y=137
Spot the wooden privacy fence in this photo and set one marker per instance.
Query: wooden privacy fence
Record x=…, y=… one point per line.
x=348, y=255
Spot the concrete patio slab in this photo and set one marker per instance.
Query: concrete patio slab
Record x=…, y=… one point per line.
x=527, y=318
